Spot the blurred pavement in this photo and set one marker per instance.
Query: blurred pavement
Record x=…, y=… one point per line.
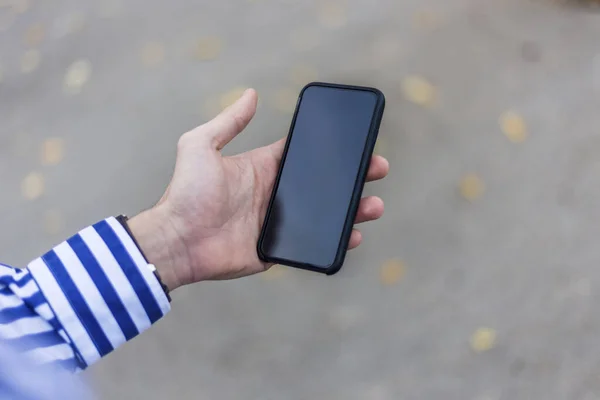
x=495, y=288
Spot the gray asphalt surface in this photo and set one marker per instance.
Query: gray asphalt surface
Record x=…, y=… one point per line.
x=499, y=296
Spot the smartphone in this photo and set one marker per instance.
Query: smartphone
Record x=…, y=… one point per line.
x=321, y=177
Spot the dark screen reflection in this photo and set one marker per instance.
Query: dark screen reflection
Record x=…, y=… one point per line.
x=319, y=174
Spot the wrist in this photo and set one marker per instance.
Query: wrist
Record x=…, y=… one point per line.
x=161, y=245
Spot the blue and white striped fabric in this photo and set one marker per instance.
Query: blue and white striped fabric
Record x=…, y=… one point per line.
x=81, y=300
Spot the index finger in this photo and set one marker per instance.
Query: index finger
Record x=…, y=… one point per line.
x=378, y=169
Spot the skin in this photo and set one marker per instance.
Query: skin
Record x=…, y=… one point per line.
x=207, y=223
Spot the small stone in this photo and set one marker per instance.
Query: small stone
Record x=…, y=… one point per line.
x=483, y=339
x=32, y=186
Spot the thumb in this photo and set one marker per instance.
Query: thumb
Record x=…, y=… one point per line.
x=231, y=121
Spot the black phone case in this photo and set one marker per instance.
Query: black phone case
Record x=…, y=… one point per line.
x=358, y=186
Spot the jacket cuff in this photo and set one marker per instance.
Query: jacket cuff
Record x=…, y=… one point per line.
x=100, y=288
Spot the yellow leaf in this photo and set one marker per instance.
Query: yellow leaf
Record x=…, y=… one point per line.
x=513, y=126
x=153, y=53
x=52, y=151
x=32, y=186
x=419, y=91
x=483, y=339
x=392, y=271
x=471, y=187
x=77, y=76
x=30, y=61
x=208, y=48
x=332, y=14
x=34, y=35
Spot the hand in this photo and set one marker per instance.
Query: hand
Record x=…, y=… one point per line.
x=206, y=225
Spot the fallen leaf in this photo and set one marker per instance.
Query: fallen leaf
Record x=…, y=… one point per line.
x=30, y=61
x=77, y=76
x=285, y=100
x=391, y=272
x=483, y=339
x=303, y=74
x=513, y=126
x=53, y=151
x=208, y=48
x=419, y=91
x=54, y=222
x=32, y=186
x=471, y=187
x=34, y=35
x=153, y=53
x=332, y=14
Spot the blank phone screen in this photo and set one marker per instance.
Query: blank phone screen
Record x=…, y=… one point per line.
x=319, y=174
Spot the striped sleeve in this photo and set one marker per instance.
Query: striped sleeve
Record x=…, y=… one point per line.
x=82, y=299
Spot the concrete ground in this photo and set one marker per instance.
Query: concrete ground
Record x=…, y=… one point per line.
x=482, y=281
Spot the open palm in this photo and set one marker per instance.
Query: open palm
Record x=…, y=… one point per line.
x=217, y=204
